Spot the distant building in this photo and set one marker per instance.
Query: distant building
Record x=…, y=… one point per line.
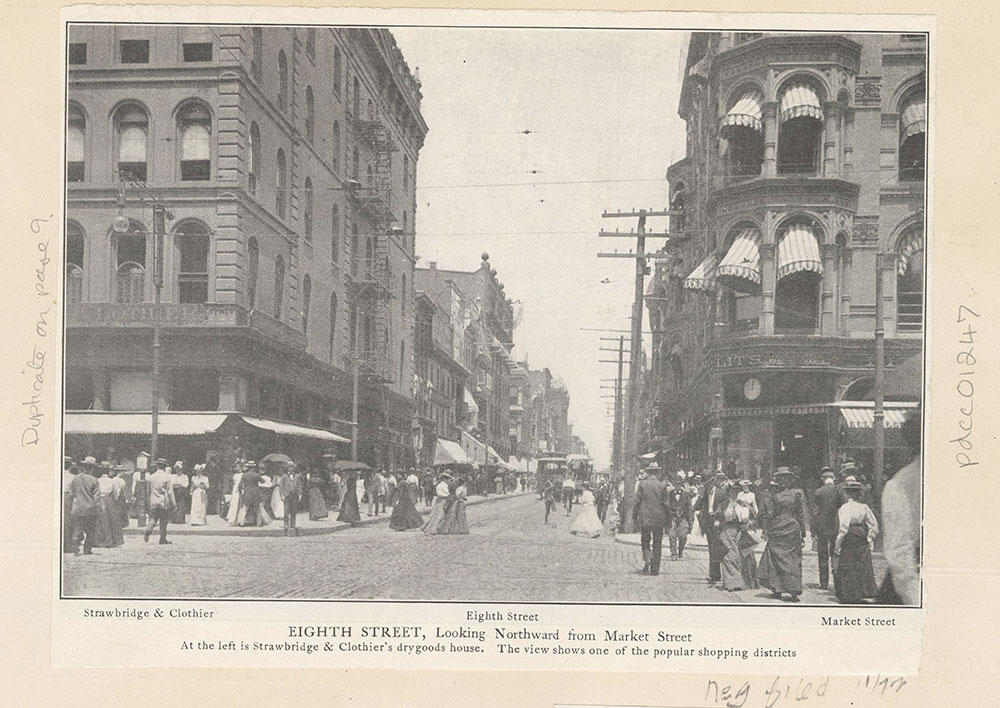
x=287, y=159
x=805, y=158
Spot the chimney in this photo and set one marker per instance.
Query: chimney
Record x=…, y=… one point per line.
x=433, y=265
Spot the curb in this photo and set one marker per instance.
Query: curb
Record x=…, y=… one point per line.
x=279, y=531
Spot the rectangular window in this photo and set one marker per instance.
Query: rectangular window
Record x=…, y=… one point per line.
x=198, y=51
x=77, y=53
x=133, y=51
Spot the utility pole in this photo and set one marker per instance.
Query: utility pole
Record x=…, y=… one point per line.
x=355, y=375
x=879, y=414
x=631, y=438
x=616, y=445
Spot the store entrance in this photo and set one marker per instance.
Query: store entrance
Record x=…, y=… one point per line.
x=800, y=441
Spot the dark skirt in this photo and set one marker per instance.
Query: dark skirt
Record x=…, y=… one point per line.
x=349, y=511
x=183, y=498
x=454, y=521
x=404, y=514
x=317, y=504
x=122, y=506
x=739, y=565
x=108, y=528
x=854, y=579
x=781, y=563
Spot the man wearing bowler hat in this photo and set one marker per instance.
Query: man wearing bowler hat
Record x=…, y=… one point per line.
x=827, y=501
x=161, y=501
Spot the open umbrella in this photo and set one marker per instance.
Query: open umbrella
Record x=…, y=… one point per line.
x=349, y=465
x=277, y=457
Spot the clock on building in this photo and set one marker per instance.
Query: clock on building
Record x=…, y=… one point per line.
x=752, y=389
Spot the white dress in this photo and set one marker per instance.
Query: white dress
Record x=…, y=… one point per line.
x=199, y=500
x=234, y=517
x=587, y=522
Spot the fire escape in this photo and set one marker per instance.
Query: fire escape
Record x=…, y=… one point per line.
x=370, y=280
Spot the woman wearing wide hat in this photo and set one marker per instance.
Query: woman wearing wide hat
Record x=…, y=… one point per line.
x=454, y=521
x=404, y=512
x=854, y=578
x=350, y=510
x=781, y=563
x=108, y=527
x=442, y=492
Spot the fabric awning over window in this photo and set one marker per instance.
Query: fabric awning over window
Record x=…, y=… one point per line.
x=798, y=251
x=703, y=277
x=283, y=428
x=741, y=264
x=911, y=246
x=140, y=423
x=914, y=119
x=798, y=101
x=447, y=452
x=861, y=414
x=745, y=112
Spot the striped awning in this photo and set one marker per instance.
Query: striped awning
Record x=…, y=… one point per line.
x=745, y=112
x=447, y=452
x=741, y=264
x=861, y=414
x=703, y=277
x=798, y=251
x=914, y=119
x=913, y=244
x=798, y=101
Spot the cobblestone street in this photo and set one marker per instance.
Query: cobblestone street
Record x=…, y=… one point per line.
x=509, y=555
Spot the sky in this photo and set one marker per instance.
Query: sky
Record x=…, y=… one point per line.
x=601, y=108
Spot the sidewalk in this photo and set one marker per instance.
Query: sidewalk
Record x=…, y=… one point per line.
x=218, y=526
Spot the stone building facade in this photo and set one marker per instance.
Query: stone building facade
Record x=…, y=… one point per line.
x=805, y=159
x=286, y=157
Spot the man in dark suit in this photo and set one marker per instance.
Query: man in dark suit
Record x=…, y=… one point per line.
x=711, y=508
x=650, y=516
x=679, y=518
x=827, y=501
x=83, y=507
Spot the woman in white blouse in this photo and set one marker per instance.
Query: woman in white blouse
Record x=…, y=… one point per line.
x=854, y=576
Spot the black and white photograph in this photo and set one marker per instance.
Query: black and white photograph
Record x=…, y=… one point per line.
x=498, y=314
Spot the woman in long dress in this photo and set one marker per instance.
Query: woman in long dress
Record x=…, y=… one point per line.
x=118, y=494
x=781, y=563
x=854, y=578
x=250, y=496
x=442, y=493
x=404, y=512
x=454, y=521
x=587, y=522
x=739, y=565
x=350, y=510
x=199, y=496
x=182, y=493
x=236, y=513
x=108, y=526
x=316, y=497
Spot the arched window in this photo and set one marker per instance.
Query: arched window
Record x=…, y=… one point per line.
x=338, y=70
x=192, y=241
x=738, y=278
x=800, y=131
x=742, y=130
x=912, y=132
x=307, y=289
x=311, y=43
x=130, y=264
x=910, y=282
x=800, y=279
x=132, y=132
x=282, y=81
x=356, y=99
x=74, y=262
x=253, y=159
x=406, y=172
x=355, y=253
x=333, y=325
x=279, y=285
x=310, y=113
x=280, y=185
x=76, y=143
x=355, y=164
x=336, y=146
x=335, y=235
x=307, y=217
x=253, y=265
x=256, y=53
x=194, y=128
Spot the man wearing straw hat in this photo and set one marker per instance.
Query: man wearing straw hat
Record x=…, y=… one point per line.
x=161, y=501
x=651, y=517
x=827, y=501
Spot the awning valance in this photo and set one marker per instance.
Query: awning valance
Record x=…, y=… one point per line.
x=744, y=113
x=475, y=451
x=447, y=452
x=139, y=423
x=798, y=250
x=861, y=414
x=282, y=428
x=800, y=101
x=494, y=456
x=741, y=264
x=703, y=277
x=470, y=401
x=913, y=120
x=913, y=244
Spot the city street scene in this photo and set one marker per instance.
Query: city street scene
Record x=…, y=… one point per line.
x=494, y=314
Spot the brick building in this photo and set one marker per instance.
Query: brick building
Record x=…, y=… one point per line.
x=286, y=157
x=805, y=158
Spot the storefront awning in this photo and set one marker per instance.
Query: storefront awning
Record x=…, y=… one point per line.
x=800, y=101
x=475, y=451
x=861, y=414
x=741, y=264
x=470, y=402
x=282, y=428
x=798, y=251
x=914, y=120
x=494, y=456
x=912, y=245
x=703, y=277
x=744, y=113
x=140, y=423
x=447, y=452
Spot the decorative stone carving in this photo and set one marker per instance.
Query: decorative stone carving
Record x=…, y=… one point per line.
x=865, y=230
x=868, y=91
